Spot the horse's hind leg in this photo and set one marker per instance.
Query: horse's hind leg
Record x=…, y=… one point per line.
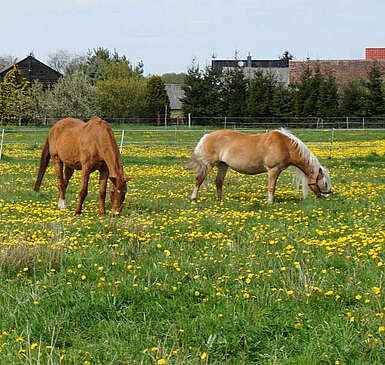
x=58, y=164
x=202, y=173
x=222, y=170
x=272, y=176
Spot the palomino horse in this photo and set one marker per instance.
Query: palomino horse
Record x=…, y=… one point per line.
x=252, y=154
x=87, y=146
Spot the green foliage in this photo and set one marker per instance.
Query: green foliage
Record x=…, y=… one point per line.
x=156, y=96
x=173, y=78
x=11, y=89
x=260, y=94
x=120, y=98
x=101, y=65
x=72, y=96
x=317, y=94
x=234, y=92
x=202, y=92
x=352, y=99
x=375, y=99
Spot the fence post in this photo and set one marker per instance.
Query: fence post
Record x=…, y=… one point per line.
x=347, y=122
x=363, y=123
x=1, y=143
x=189, y=120
x=121, y=142
x=331, y=143
x=225, y=122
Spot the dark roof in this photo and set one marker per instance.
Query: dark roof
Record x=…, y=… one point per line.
x=33, y=69
x=250, y=63
x=175, y=93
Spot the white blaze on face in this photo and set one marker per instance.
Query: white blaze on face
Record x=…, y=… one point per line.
x=61, y=204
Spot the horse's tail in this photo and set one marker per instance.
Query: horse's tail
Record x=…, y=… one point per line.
x=196, y=163
x=300, y=180
x=44, y=160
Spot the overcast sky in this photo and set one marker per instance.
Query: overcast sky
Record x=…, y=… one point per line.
x=168, y=34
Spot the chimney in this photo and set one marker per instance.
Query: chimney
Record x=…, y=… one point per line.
x=248, y=62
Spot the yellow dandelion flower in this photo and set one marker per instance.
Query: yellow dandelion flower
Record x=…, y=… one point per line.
x=203, y=355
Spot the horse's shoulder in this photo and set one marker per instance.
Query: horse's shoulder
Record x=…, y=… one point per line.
x=96, y=121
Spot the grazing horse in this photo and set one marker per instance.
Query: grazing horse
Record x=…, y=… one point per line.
x=252, y=154
x=87, y=146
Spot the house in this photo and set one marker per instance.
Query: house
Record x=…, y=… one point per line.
x=32, y=69
x=278, y=68
x=343, y=70
x=175, y=93
x=289, y=72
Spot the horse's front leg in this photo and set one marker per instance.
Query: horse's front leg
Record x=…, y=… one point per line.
x=103, y=179
x=58, y=165
x=221, y=174
x=83, y=191
x=272, y=176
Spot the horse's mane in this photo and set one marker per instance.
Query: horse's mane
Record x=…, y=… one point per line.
x=303, y=150
x=308, y=156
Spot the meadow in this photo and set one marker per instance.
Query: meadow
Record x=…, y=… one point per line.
x=236, y=281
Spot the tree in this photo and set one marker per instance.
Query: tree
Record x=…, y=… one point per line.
x=286, y=56
x=375, y=100
x=308, y=92
x=260, y=96
x=60, y=60
x=328, y=98
x=100, y=65
x=173, y=78
x=121, y=98
x=234, y=91
x=7, y=61
x=202, y=92
x=156, y=97
x=353, y=98
x=11, y=87
x=72, y=96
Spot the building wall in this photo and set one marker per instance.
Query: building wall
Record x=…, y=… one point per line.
x=343, y=70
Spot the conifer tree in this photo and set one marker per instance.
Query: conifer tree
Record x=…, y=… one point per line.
x=234, y=92
x=375, y=100
x=156, y=97
x=11, y=87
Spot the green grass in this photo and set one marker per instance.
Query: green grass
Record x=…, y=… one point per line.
x=231, y=282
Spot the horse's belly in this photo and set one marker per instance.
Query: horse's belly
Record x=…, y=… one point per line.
x=249, y=170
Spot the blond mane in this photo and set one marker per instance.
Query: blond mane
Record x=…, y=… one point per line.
x=300, y=179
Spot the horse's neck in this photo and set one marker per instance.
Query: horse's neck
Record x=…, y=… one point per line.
x=306, y=166
x=114, y=164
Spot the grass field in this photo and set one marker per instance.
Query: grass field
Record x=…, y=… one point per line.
x=174, y=282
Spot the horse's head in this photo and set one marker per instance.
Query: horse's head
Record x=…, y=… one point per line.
x=322, y=185
x=118, y=193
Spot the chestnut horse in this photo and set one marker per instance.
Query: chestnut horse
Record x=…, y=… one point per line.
x=252, y=154
x=87, y=146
